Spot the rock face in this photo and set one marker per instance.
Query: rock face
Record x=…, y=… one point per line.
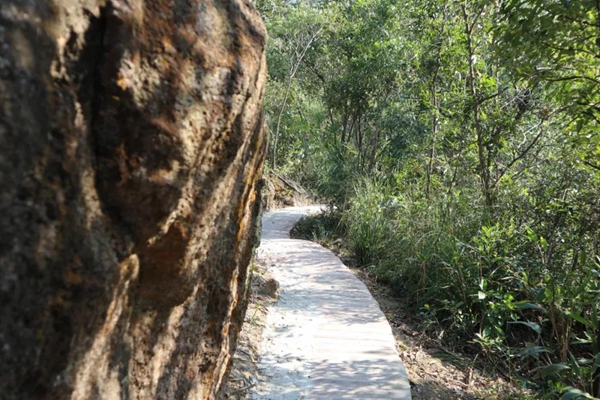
x=131, y=146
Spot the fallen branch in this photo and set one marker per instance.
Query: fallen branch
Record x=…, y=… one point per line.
x=291, y=185
x=243, y=389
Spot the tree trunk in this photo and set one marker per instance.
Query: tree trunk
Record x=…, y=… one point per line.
x=295, y=64
x=434, y=132
x=484, y=165
x=435, y=103
x=132, y=143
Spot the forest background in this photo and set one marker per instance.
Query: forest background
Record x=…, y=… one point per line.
x=459, y=142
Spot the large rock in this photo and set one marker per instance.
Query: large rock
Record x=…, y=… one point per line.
x=131, y=145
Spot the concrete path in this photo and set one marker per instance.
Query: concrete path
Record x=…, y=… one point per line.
x=326, y=337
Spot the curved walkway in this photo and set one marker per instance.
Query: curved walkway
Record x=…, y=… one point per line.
x=326, y=337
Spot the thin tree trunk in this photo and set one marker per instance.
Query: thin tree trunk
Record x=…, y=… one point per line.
x=344, y=125
x=276, y=135
x=373, y=157
x=293, y=70
x=434, y=101
x=483, y=167
x=434, y=130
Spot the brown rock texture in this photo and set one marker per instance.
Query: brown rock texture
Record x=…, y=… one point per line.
x=131, y=147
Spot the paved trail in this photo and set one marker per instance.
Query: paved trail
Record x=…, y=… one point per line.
x=326, y=337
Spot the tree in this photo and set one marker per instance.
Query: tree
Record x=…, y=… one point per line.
x=557, y=43
x=295, y=32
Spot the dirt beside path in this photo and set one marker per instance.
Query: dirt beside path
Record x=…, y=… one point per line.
x=435, y=373
x=264, y=291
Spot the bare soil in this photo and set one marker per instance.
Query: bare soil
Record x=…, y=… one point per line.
x=434, y=372
x=243, y=374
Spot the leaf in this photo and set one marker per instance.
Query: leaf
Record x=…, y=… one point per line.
x=531, y=325
x=596, y=363
x=575, y=364
x=525, y=305
x=544, y=243
x=577, y=317
x=581, y=341
x=574, y=394
x=543, y=295
x=552, y=369
x=530, y=234
x=534, y=351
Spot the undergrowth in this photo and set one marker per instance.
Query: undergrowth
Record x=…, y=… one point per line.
x=519, y=294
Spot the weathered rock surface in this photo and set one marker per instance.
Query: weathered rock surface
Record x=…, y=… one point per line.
x=131, y=145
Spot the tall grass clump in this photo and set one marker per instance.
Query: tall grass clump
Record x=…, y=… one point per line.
x=417, y=245
x=370, y=229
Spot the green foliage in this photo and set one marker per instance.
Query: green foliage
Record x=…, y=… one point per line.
x=322, y=228
x=459, y=143
x=557, y=43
